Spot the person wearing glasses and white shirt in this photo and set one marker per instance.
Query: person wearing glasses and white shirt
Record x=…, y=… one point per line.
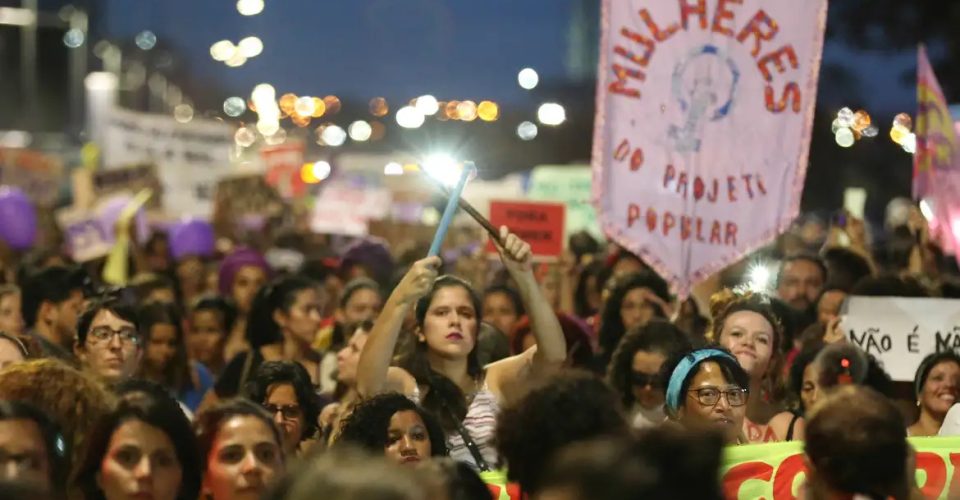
x=707, y=389
x=108, y=343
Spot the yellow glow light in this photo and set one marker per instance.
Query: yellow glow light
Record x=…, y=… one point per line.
x=488, y=111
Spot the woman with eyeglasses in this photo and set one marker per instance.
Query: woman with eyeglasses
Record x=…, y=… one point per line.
x=707, y=389
x=108, y=343
x=747, y=325
x=635, y=369
x=283, y=389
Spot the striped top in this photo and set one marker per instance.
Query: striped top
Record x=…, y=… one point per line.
x=481, y=423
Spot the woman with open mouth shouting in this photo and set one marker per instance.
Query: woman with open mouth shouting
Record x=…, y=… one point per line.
x=443, y=373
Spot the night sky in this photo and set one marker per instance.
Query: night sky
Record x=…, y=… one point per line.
x=365, y=48
x=402, y=49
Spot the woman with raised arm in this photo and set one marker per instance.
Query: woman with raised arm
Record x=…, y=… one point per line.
x=443, y=373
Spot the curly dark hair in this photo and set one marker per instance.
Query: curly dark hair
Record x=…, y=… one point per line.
x=368, y=425
x=800, y=364
x=287, y=372
x=572, y=407
x=611, y=323
x=658, y=336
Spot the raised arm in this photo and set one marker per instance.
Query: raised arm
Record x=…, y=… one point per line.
x=551, y=345
x=375, y=358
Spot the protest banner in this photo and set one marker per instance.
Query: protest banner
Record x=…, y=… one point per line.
x=776, y=470
x=85, y=237
x=284, y=162
x=936, y=164
x=539, y=224
x=244, y=199
x=570, y=185
x=704, y=116
x=190, y=157
x=344, y=209
x=129, y=179
x=900, y=331
x=37, y=174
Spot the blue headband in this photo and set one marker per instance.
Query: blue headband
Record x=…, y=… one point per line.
x=683, y=369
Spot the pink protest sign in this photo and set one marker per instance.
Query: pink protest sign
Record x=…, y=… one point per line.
x=704, y=111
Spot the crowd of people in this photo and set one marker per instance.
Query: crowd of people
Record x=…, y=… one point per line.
x=370, y=374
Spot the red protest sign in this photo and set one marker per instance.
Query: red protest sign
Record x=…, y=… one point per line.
x=539, y=224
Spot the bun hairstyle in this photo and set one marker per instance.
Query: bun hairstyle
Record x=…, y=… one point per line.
x=842, y=364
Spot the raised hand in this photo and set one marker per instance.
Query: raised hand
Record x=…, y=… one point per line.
x=515, y=253
x=418, y=280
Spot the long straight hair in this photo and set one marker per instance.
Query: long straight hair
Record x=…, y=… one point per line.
x=177, y=375
x=444, y=397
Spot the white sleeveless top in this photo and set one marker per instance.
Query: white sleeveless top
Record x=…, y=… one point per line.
x=481, y=423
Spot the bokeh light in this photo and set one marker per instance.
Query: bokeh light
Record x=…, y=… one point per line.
x=183, y=113
x=360, y=131
x=393, y=168
x=527, y=131
x=237, y=60
x=222, y=51
x=300, y=120
x=321, y=170
x=146, y=40
x=304, y=107
x=319, y=108
x=263, y=92
x=244, y=137
x=409, y=117
x=551, y=114
x=443, y=168
x=845, y=117
x=250, y=46
x=467, y=111
x=427, y=105
x=73, y=38
x=377, y=131
x=287, y=103
x=488, y=111
x=844, y=137
x=249, y=7
x=909, y=143
x=234, y=106
x=450, y=110
x=528, y=78
x=333, y=135
x=333, y=104
x=307, y=175
x=861, y=120
x=378, y=107
x=904, y=121
x=276, y=139
x=268, y=127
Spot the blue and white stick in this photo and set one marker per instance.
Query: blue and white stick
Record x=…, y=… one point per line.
x=451, y=209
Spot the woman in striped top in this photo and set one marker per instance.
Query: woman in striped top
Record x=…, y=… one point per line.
x=443, y=373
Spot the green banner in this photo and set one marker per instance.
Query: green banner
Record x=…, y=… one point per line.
x=776, y=471
x=572, y=186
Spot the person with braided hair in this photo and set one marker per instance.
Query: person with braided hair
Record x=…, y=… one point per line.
x=745, y=323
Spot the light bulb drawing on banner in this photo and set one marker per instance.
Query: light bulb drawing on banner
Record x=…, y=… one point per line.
x=705, y=85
